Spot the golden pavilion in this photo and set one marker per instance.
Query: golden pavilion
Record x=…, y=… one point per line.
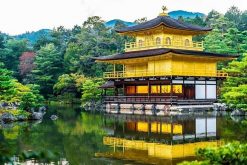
x=164, y=65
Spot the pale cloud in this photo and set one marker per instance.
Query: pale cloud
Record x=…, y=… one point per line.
x=18, y=16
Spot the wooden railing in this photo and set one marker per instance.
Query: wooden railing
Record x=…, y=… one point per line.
x=140, y=99
x=199, y=72
x=135, y=46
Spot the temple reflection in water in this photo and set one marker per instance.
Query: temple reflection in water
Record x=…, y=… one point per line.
x=155, y=140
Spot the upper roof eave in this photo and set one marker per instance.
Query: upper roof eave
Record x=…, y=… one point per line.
x=165, y=21
x=161, y=51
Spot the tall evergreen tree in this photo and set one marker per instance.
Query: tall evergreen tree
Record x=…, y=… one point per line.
x=234, y=91
x=48, y=66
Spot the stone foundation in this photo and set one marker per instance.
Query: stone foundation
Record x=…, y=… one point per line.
x=153, y=109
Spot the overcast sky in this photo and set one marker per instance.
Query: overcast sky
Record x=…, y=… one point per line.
x=19, y=16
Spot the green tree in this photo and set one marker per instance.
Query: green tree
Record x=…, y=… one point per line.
x=6, y=84
x=69, y=83
x=10, y=52
x=72, y=58
x=234, y=91
x=91, y=91
x=214, y=42
x=234, y=15
x=48, y=66
x=212, y=16
x=243, y=23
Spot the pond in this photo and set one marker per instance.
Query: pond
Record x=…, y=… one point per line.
x=78, y=137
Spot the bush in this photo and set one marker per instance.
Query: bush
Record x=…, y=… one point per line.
x=232, y=153
x=69, y=84
x=91, y=91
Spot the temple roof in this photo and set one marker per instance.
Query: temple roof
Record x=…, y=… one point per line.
x=166, y=21
x=160, y=51
x=108, y=84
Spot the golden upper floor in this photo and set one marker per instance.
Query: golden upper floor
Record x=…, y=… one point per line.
x=163, y=32
x=163, y=41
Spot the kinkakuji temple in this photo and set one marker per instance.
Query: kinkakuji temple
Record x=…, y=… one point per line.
x=163, y=67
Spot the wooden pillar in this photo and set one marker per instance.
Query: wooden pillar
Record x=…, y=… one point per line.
x=171, y=92
x=116, y=91
x=124, y=93
x=149, y=128
x=114, y=69
x=183, y=89
x=160, y=127
x=148, y=88
x=183, y=132
x=123, y=70
x=123, y=127
x=172, y=131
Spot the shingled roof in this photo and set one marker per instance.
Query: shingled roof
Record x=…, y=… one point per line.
x=161, y=51
x=166, y=21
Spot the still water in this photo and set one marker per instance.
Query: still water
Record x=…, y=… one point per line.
x=87, y=138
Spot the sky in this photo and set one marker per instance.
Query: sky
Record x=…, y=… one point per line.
x=19, y=16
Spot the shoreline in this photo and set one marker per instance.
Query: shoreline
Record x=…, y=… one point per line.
x=16, y=115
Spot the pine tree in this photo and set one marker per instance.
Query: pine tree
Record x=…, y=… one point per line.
x=48, y=66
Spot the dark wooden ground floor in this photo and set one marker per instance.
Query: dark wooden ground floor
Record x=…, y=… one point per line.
x=180, y=90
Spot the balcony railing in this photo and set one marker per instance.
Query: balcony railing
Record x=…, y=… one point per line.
x=140, y=74
x=141, y=99
x=135, y=46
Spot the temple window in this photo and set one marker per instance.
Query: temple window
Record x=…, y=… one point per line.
x=158, y=41
x=141, y=89
x=155, y=89
x=140, y=43
x=131, y=90
x=187, y=42
x=165, y=88
x=178, y=89
x=168, y=41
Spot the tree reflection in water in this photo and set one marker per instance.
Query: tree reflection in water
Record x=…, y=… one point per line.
x=84, y=138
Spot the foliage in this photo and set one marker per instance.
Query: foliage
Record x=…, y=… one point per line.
x=10, y=52
x=32, y=37
x=28, y=100
x=11, y=91
x=234, y=91
x=69, y=83
x=6, y=83
x=72, y=58
x=16, y=112
x=26, y=63
x=48, y=67
x=232, y=153
x=90, y=90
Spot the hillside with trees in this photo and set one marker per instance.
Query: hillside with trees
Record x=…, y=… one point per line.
x=61, y=63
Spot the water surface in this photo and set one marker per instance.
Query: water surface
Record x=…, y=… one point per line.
x=88, y=138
